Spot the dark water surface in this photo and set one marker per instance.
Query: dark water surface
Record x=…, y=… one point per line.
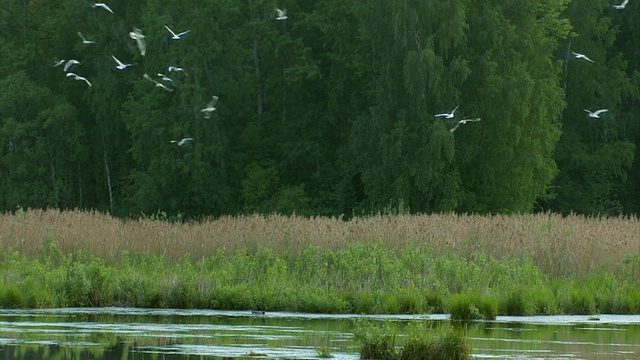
x=126, y=333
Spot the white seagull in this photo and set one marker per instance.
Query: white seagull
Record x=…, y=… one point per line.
x=175, y=68
x=282, y=14
x=621, y=6
x=164, y=77
x=596, y=114
x=211, y=107
x=120, y=65
x=84, y=40
x=70, y=63
x=182, y=142
x=448, y=115
x=581, y=56
x=177, y=37
x=462, y=122
x=158, y=84
x=136, y=35
x=102, y=5
x=76, y=77
x=58, y=63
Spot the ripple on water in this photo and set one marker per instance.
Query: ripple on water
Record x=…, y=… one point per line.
x=299, y=335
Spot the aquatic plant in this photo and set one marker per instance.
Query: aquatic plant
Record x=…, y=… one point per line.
x=462, y=308
x=488, y=306
x=558, y=245
x=367, y=272
x=324, y=353
x=424, y=342
x=450, y=346
x=377, y=342
x=515, y=303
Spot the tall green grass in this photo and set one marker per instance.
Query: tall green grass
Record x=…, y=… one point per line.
x=424, y=342
x=361, y=278
x=557, y=245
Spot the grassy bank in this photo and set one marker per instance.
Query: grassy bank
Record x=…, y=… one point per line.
x=470, y=265
x=423, y=342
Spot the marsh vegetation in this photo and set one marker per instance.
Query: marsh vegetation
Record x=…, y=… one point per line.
x=480, y=266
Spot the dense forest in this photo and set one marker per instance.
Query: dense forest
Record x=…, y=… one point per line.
x=327, y=110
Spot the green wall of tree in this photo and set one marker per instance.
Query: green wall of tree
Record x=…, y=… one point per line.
x=328, y=112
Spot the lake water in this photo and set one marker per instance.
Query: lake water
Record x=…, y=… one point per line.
x=127, y=333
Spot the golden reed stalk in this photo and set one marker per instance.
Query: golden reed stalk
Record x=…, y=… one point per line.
x=558, y=244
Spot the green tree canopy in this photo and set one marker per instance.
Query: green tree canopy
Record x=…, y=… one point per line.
x=330, y=112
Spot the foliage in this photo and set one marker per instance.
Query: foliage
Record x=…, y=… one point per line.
x=324, y=281
x=462, y=308
x=515, y=304
x=318, y=115
x=376, y=342
x=424, y=342
x=324, y=353
x=597, y=155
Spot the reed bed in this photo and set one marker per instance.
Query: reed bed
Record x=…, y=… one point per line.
x=559, y=245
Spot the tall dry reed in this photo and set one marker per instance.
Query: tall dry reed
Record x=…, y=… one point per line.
x=558, y=244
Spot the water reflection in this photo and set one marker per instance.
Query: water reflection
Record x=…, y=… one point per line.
x=124, y=333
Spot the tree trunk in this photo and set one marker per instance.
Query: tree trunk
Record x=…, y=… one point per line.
x=106, y=166
x=256, y=62
x=55, y=186
x=566, y=63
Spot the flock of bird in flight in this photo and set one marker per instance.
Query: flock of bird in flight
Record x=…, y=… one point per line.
x=596, y=114
x=165, y=80
x=137, y=35
x=451, y=115
x=591, y=114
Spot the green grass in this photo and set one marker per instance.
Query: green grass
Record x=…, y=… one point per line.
x=363, y=278
x=324, y=353
x=376, y=342
x=424, y=342
x=463, y=308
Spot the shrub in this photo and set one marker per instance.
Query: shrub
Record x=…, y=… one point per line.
x=462, y=308
x=426, y=343
x=434, y=302
x=488, y=307
x=451, y=346
x=11, y=296
x=582, y=302
x=629, y=303
x=544, y=302
x=409, y=302
x=324, y=353
x=515, y=303
x=376, y=342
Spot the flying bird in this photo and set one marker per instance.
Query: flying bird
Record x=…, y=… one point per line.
x=596, y=114
x=177, y=37
x=164, y=77
x=175, y=68
x=136, y=35
x=448, y=115
x=282, y=14
x=211, y=107
x=581, y=56
x=102, y=5
x=76, y=77
x=163, y=86
x=70, y=63
x=621, y=6
x=182, y=142
x=462, y=122
x=158, y=84
x=58, y=63
x=120, y=65
x=84, y=40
